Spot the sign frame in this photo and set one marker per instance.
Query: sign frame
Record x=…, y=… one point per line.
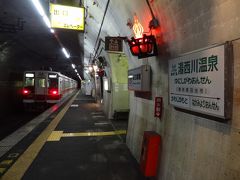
x=226, y=82
x=59, y=17
x=114, y=44
x=139, y=79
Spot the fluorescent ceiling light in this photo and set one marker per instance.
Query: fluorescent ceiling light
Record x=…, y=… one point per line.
x=52, y=31
x=47, y=22
x=75, y=70
x=40, y=10
x=65, y=53
x=38, y=6
x=73, y=66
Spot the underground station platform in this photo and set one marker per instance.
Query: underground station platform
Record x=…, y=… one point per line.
x=74, y=141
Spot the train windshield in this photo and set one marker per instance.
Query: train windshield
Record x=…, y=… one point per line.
x=52, y=81
x=29, y=80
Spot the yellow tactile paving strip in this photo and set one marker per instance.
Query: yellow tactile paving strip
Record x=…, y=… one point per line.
x=57, y=135
x=6, y=162
x=2, y=170
x=18, y=169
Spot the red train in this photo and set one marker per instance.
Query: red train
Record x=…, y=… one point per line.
x=46, y=87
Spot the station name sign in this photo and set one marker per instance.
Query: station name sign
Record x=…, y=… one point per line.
x=197, y=81
x=139, y=78
x=67, y=17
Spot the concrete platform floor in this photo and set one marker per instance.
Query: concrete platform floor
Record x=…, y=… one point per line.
x=79, y=143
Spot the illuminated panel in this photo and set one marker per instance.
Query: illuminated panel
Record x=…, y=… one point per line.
x=52, y=76
x=29, y=75
x=67, y=17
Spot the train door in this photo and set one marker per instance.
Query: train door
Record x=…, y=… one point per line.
x=40, y=85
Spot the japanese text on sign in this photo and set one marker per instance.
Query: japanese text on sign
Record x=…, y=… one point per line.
x=196, y=81
x=67, y=17
x=113, y=44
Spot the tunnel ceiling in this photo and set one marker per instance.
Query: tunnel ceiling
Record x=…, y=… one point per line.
x=26, y=41
x=27, y=44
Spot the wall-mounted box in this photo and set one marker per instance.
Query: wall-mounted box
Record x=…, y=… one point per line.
x=150, y=153
x=139, y=78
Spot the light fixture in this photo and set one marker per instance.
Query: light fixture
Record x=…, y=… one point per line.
x=52, y=31
x=47, y=22
x=73, y=66
x=65, y=53
x=75, y=70
x=137, y=28
x=90, y=68
x=95, y=68
x=106, y=85
x=40, y=10
x=38, y=6
x=142, y=45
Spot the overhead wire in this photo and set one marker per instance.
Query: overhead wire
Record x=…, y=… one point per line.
x=99, y=32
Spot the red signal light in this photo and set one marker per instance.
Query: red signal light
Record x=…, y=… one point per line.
x=143, y=47
x=26, y=92
x=53, y=92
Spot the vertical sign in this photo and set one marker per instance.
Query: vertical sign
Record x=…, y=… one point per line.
x=158, y=107
x=197, y=81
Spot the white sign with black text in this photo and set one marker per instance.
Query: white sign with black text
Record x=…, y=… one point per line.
x=196, y=81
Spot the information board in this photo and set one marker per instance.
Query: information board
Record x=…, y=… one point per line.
x=139, y=78
x=66, y=17
x=113, y=44
x=197, y=81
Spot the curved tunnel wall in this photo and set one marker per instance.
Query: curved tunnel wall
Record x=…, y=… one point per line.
x=193, y=147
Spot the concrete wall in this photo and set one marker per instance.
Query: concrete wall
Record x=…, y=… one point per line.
x=193, y=147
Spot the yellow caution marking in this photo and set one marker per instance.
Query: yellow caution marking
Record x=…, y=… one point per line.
x=6, y=162
x=18, y=169
x=2, y=170
x=56, y=135
x=84, y=134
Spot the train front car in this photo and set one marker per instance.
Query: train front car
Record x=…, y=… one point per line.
x=45, y=87
x=54, y=93
x=28, y=88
